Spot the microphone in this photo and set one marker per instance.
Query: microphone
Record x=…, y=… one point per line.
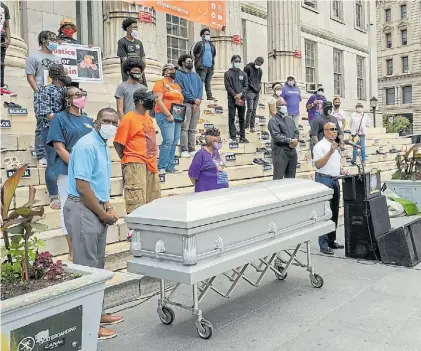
x=348, y=142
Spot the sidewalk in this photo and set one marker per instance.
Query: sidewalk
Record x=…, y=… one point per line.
x=362, y=306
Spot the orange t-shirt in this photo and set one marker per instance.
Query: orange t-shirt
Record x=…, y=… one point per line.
x=137, y=134
x=172, y=93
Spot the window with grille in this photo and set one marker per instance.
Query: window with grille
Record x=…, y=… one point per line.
x=389, y=67
x=405, y=64
x=310, y=61
x=390, y=96
x=404, y=36
x=359, y=14
x=337, y=9
x=177, y=38
x=403, y=12
x=389, y=40
x=338, y=72
x=407, y=95
x=360, y=78
x=388, y=15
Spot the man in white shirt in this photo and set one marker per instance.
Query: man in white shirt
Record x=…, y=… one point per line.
x=327, y=160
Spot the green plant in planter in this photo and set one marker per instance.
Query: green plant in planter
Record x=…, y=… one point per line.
x=396, y=125
x=409, y=165
x=18, y=227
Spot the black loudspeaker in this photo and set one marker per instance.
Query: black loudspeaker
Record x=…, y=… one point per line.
x=402, y=244
x=365, y=221
x=361, y=187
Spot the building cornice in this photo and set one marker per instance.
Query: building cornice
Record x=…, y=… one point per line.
x=254, y=10
x=334, y=38
x=399, y=77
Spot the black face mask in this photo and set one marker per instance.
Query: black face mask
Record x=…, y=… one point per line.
x=172, y=75
x=189, y=65
x=337, y=105
x=136, y=76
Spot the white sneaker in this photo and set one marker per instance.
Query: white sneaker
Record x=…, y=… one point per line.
x=42, y=162
x=162, y=171
x=193, y=153
x=185, y=154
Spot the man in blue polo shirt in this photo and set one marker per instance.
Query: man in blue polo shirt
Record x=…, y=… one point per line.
x=88, y=212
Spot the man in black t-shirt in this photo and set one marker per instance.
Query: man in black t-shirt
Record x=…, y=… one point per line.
x=5, y=41
x=130, y=46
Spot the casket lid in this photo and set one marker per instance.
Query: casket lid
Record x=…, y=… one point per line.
x=198, y=209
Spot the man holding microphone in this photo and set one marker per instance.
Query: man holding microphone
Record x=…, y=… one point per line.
x=327, y=160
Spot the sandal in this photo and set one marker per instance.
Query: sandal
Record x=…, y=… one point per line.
x=55, y=204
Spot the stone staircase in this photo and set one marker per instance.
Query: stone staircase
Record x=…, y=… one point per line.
x=18, y=140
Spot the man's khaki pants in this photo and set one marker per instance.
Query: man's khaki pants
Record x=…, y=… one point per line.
x=140, y=185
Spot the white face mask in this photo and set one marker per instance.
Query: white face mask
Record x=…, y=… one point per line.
x=135, y=34
x=236, y=64
x=107, y=131
x=207, y=37
x=278, y=92
x=359, y=109
x=291, y=83
x=283, y=109
x=320, y=93
x=257, y=66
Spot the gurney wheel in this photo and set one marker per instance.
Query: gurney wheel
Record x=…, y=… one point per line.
x=167, y=316
x=280, y=276
x=208, y=329
x=316, y=280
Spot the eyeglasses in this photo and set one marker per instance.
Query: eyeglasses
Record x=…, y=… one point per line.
x=331, y=129
x=79, y=94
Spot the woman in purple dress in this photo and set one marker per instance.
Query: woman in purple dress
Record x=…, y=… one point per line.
x=207, y=168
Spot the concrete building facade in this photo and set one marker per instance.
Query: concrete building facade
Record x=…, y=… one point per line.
x=399, y=59
x=320, y=42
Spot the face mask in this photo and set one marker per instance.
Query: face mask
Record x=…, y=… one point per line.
x=291, y=83
x=359, y=109
x=107, y=131
x=189, y=65
x=278, y=92
x=135, y=76
x=172, y=75
x=327, y=111
x=135, y=34
x=79, y=102
x=257, y=66
x=236, y=64
x=337, y=105
x=283, y=109
x=52, y=46
x=320, y=93
x=66, y=80
x=207, y=37
x=217, y=145
x=68, y=32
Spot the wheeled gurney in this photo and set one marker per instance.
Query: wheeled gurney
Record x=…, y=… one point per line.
x=192, y=239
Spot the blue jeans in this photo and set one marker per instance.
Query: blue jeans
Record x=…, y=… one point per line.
x=170, y=136
x=360, y=142
x=327, y=240
x=39, y=145
x=50, y=177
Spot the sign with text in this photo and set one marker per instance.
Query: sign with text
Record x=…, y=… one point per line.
x=229, y=157
x=82, y=63
x=17, y=111
x=5, y=123
x=176, y=160
x=208, y=126
x=162, y=178
x=62, y=332
x=210, y=13
x=234, y=145
x=11, y=172
x=268, y=155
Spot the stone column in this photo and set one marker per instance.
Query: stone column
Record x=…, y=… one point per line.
x=224, y=45
x=283, y=39
x=16, y=52
x=114, y=14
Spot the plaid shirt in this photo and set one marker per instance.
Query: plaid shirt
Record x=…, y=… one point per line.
x=48, y=98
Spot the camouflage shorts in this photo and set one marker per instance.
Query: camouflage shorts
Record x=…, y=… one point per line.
x=140, y=185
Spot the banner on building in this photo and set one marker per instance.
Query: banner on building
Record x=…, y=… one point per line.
x=210, y=13
x=82, y=63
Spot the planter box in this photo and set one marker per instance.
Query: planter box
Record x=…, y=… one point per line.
x=406, y=189
x=64, y=316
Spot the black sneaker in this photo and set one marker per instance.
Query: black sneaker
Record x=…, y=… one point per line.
x=327, y=251
x=258, y=161
x=244, y=140
x=335, y=245
x=261, y=149
x=264, y=136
